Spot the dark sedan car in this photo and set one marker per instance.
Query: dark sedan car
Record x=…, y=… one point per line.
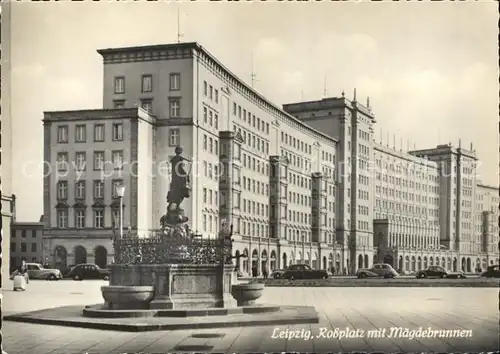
x=492, y=272
x=88, y=271
x=438, y=272
x=304, y=271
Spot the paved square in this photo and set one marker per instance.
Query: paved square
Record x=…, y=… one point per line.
x=354, y=309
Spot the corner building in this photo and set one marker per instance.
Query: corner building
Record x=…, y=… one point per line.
x=252, y=165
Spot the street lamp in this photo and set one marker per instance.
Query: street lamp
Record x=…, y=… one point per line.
x=120, y=192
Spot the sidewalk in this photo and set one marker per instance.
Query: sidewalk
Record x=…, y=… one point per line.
x=353, y=308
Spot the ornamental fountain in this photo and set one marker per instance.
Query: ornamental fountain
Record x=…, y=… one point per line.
x=173, y=269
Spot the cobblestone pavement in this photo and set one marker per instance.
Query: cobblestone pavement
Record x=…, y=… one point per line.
x=474, y=309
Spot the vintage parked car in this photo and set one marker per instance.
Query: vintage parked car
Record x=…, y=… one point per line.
x=88, y=271
x=277, y=273
x=304, y=271
x=432, y=272
x=37, y=271
x=492, y=272
x=378, y=270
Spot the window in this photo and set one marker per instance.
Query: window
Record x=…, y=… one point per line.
x=119, y=104
x=62, y=134
x=98, y=160
x=210, y=92
x=62, y=190
x=118, y=160
x=23, y=247
x=115, y=183
x=33, y=247
x=12, y=247
x=216, y=121
x=175, y=107
x=119, y=84
x=205, y=88
x=99, y=132
x=99, y=218
x=205, y=115
x=98, y=189
x=80, y=218
x=62, y=161
x=147, y=105
x=147, y=83
x=80, y=133
x=216, y=96
x=175, y=82
x=174, y=137
x=80, y=190
x=117, y=131
x=80, y=161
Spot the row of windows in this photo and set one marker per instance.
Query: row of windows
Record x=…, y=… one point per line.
x=253, y=141
x=398, y=181
x=255, y=165
x=210, y=144
x=255, y=208
x=384, y=191
x=210, y=92
x=297, y=161
x=81, y=133
x=254, y=186
x=24, y=247
x=250, y=118
x=81, y=215
x=147, y=83
x=147, y=105
x=211, y=118
x=296, y=143
x=80, y=162
x=98, y=189
x=23, y=233
x=404, y=208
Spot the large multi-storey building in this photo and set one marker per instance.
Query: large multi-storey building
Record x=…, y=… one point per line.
x=304, y=184
x=252, y=164
x=424, y=204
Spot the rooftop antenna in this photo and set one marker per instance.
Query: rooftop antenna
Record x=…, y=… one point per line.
x=354, y=98
x=179, y=34
x=343, y=94
x=368, y=102
x=253, y=75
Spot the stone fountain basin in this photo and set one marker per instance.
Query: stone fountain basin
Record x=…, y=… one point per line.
x=127, y=297
x=246, y=294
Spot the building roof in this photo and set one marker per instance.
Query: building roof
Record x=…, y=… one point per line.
x=196, y=46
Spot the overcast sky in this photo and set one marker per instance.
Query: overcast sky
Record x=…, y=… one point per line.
x=430, y=69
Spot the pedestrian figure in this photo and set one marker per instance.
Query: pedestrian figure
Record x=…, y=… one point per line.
x=265, y=271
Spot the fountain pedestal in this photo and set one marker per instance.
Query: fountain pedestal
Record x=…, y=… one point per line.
x=176, y=286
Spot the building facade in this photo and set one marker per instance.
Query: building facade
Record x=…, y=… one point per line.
x=252, y=165
x=26, y=243
x=89, y=154
x=306, y=183
x=428, y=206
